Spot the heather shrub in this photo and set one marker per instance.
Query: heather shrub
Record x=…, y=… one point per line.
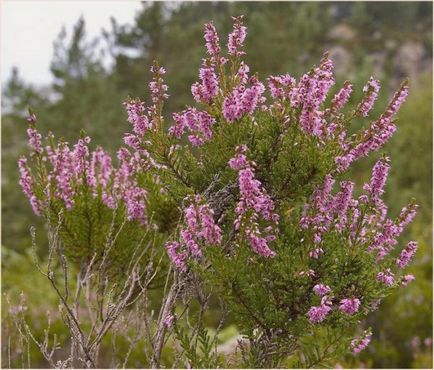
x=243, y=198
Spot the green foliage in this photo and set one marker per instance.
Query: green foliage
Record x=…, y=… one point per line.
x=198, y=348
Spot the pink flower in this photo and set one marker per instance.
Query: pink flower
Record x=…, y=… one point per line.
x=342, y=203
x=386, y=277
x=64, y=173
x=316, y=253
x=319, y=213
x=242, y=100
x=406, y=254
x=35, y=140
x=32, y=118
x=259, y=244
x=397, y=100
x=157, y=86
x=206, y=91
x=374, y=137
x=317, y=314
x=280, y=86
x=243, y=73
x=371, y=93
x=321, y=289
x=100, y=170
x=80, y=156
x=359, y=344
x=198, y=123
x=407, y=279
x=240, y=160
x=310, y=94
x=237, y=36
x=379, y=176
x=254, y=204
x=135, y=201
x=342, y=96
x=212, y=41
x=200, y=229
x=177, y=258
x=26, y=182
x=210, y=87
x=137, y=117
x=407, y=215
x=349, y=305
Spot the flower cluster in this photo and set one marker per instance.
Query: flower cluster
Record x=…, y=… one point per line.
x=308, y=96
x=359, y=344
x=26, y=183
x=328, y=208
x=35, y=139
x=206, y=91
x=254, y=204
x=157, y=86
x=237, y=36
x=321, y=289
x=371, y=93
x=177, y=255
x=137, y=117
x=74, y=170
x=327, y=212
x=212, y=41
x=406, y=254
x=243, y=100
x=280, y=86
x=200, y=229
x=374, y=137
x=386, y=277
x=317, y=314
x=387, y=231
x=349, y=305
x=146, y=118
x=198, y=123
x=342, y=97
x=407, y=279
x=380, y=171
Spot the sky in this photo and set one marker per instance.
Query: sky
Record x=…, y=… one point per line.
x=28, y=29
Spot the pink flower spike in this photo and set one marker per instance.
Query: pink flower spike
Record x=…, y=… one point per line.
x=212, y=41
x=342, y=97
x=35, y=140
x=406, y=254
x=177, y=258
x=254, y=203
x=386, y=277
x=371, y=93
x=359, y=344
x=237, y=36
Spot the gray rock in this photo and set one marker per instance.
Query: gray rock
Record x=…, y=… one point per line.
x=342, y=59
x=342, y=32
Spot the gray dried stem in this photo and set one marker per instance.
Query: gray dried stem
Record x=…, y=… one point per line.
x=96, y=300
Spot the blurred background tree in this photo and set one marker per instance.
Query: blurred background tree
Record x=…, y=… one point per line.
x=390, y=41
